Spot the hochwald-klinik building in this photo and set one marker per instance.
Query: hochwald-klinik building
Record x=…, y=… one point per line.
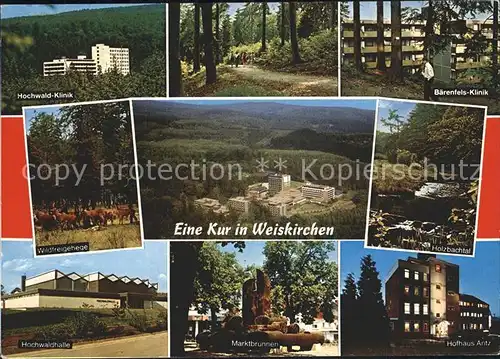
x=56, y=289
x=104, y=59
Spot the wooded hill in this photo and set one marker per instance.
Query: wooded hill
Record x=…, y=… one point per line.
x=29, y=41
x=140, y=28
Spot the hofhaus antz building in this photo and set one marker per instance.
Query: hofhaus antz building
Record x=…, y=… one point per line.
x=423, y=300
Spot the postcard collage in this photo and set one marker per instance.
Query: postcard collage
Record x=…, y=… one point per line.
x=218, y=179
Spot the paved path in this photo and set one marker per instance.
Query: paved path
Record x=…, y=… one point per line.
x=144, y=345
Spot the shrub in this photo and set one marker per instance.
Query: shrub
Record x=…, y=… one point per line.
x=54, y=332
x=138, y=320
x=162, y=320
x=405, y=157
x=380, y=156
x=119, y=312
x=83, y=323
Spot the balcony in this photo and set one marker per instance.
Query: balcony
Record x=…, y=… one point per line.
x=470, y=65
x=387, y=34
x=387, y=49
x=413, y=48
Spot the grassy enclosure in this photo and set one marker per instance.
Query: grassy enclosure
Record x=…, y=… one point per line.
x=94, y=197
x=110, y=237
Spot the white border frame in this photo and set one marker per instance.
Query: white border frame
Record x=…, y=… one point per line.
x=129, y=101
x=270, y=99
x=485, y=109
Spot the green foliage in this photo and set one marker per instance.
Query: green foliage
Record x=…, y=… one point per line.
x=162, y=320
x=442, y=134
x=218, y=281
x=405, y=157
x=139, y=28
x=138, y=320
x=362, y=301
x=86, y=136
x=119, y=312
x=304, y=278
x=54, y=332
x=83, y=323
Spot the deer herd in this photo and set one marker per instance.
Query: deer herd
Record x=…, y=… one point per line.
x=64, y=219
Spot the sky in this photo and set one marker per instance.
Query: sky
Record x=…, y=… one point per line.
x=273, y=6
x=9, y=11
x=368, y=9
x=29, y=114
x=355, y=103
x=479, y=275
x=252, y=253
x=148, y=263
x=404, y=108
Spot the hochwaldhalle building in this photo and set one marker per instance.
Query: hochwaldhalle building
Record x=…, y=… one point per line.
x=56, y=289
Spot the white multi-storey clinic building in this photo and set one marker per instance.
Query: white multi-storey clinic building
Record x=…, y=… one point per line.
x=63, y=65
x=109, y=58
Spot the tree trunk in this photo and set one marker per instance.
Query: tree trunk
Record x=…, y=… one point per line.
x=380, y=36
x=217, y=33
x=282, y=28
x=213, y=317
x=357, y=35
x=494, y=55
x=293, y=33
x=396, y=56
x=264, y=11
x=196, y=52
x=429, y=29
x=183, y=268
x=174, y=19
x=211, y=71
x=333, y=14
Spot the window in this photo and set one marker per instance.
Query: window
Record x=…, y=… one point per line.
x=426, y=292
x=416, y=327
x=407, y=273
x=416, y=275
x=426, y=327
x=480, y=326
x=425, y=309
x=407, y=289
x=416, y=291
x=451, y=309
x=416, y=308
x=438, y=268
x=391, y=325
x=407, y=326
x=407, y=308
x=438, y=301
x=438, y=315
x=426, y=277
x=438, y=286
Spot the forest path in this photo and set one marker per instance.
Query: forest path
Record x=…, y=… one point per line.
x=258, y=74
x=247, y=80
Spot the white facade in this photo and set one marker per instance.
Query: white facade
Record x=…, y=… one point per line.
x=109, y=58
x=36, y=300
x=239, y=204
x=63, y=65
x=323, y=193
